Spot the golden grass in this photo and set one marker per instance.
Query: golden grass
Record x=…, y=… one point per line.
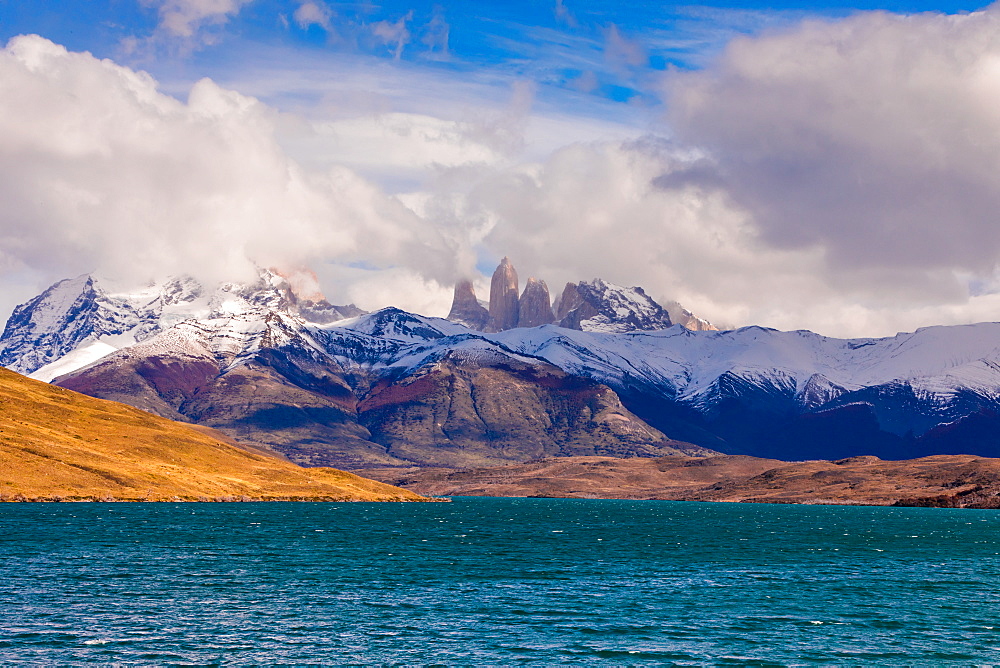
x=56, y=444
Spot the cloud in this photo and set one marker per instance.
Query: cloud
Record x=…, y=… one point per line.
x=585, y=83
x=436, y=34
x=394, y=148
x=592, y=210
x=313, y=13
x=838, y=176
x=563, y=15
x=101, y=171
x=504, y=130
x=874, y=141
x=395, y=35
x=185, y=18
x=622, y=52
x=645, y=212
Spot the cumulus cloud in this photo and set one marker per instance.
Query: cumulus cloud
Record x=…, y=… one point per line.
x=874, y=141
x=838, y=176
x=592, y=210
x=99, y=170
x=504, y=130
x=601, y=209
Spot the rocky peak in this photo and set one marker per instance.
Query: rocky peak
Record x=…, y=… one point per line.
x=599, y=306
x=534, y=308
x=572, y=310
x=59, y=320
x=180, y=290
x=80, y=317
x=466, y=309
x=682, y=316
x=503, y=298
x=294, y=293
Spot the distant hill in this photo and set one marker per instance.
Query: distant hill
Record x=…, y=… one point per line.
x=56, y=444
x=948, y=481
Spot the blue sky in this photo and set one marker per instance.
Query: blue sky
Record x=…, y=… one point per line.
x=828, y=166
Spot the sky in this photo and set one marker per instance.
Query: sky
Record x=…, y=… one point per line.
x=828, y=166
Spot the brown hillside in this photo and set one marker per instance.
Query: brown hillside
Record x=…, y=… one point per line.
x=58, y=444
x=942, y=480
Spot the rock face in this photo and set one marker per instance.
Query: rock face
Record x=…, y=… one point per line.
x=535, y=308
x=594, y=306
x=466, y=309
x=60, y=320
x=571, y=309
x=682, y=316
x=467, y=412
x=599, y=306
x=503, y=298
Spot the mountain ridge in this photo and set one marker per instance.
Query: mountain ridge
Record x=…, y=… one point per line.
x=262, y=372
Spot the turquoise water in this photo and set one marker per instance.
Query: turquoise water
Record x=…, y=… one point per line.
x=498, y=581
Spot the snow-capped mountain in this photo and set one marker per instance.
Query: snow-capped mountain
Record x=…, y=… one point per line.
x=600, y=306
x=396, y=388
x=589, y=306
x=271, y=368
x=77, y=322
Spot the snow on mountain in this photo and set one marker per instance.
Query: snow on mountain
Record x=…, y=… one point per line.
x=688, y=365
x=600, y=306
x=936, y=359
x=398, y=325
x=67, y=316
x=77, y=322
x=912, y=382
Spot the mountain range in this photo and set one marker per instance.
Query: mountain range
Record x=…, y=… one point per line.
x=602, y=372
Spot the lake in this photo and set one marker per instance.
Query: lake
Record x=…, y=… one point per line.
x=500, y=581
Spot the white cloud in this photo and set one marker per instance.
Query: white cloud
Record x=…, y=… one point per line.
x=99, y=170
x=392, y=147
x=394, y=34
x=874, y=140
x=184, y=18
x=621, y=51
x=838, y=177
x=313, y=12
x=372, y=290
x=436, y=34
x=563, y=15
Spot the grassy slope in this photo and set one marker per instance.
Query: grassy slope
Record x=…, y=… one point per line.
x=57, y=443
x=940, y=480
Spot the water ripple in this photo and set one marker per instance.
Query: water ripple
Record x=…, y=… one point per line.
x=497, y=581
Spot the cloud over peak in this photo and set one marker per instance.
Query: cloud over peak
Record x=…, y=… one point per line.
x=98, y=169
